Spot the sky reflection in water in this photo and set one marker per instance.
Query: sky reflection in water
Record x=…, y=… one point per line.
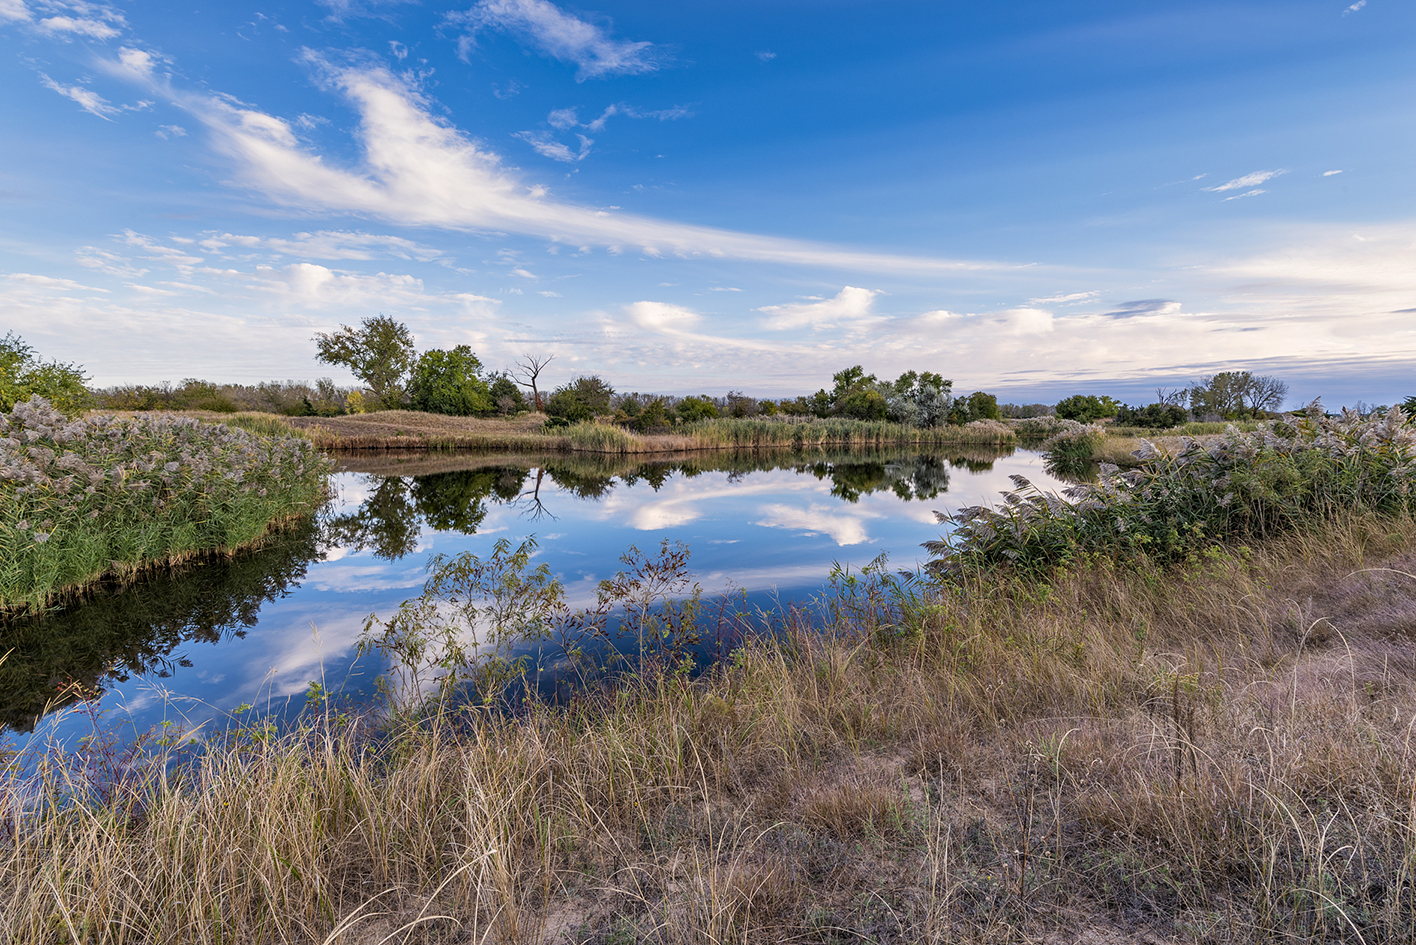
x=258, y=630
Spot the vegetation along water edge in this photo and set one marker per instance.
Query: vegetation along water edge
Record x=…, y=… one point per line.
x=100, y=497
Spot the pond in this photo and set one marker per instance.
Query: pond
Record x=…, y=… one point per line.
x=257, y=630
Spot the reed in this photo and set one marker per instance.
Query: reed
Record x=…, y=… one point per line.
x=1211, y=752
x=104, y=497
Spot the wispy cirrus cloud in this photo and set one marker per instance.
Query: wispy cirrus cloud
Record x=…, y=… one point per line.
x=559, y=35
x=418, y=170
x=87, y=99
x=546, y=146
x=1248, y=180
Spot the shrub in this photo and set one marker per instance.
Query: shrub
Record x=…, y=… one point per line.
x=1152, y=416
x=693, y=409
x=582, y=399
x=448, y=382
x=1085, y=408
x=1248, y=484
x=23, y=375
x=1076, y=443
x=506, y=395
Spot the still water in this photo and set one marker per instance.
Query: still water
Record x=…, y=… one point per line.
x=259, y=629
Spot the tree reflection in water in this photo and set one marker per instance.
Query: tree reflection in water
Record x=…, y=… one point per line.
x=133, y=629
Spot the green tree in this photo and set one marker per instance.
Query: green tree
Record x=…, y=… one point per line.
x=693, y=409
x=582, y=399
x=983, y=406
x=379, y=352
x=1234, y=395
x=23, y=375
x=448, y=382
x=506, y=394
x=1085, y=408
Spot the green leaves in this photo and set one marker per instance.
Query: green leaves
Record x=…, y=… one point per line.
x=23, y=375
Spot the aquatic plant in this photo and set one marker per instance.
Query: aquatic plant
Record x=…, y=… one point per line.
x=1238, y=486
x=104, y=495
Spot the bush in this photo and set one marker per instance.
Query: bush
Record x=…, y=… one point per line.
x=1254, y=484
x=1085, y=408
x=23, y=375
x=693, y=409
x=448, y=382
x=1078, y=443
x=1152, y=416
x=506, y=395
x=582, y=399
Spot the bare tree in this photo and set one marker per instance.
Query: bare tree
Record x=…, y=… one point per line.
x=1267, y=393
x=1171, y=398
x=527, y=370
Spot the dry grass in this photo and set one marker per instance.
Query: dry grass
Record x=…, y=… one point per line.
x=1215, y=754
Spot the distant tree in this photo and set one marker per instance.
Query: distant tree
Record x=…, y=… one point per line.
x=1408, y=406
x=1234, y=395
x=527, y=370
x=1157, y=416
x=449, y=382
x=582, y=399
x=983, y=406
x=379, y=352
x=1085, y=408
x=693, y=409
x=23, y=375
x=738, y=404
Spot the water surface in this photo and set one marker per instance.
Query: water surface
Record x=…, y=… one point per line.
x=258, y=629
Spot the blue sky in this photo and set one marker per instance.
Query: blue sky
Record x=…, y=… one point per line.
x=1030, y=198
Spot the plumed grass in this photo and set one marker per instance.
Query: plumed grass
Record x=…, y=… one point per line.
x=105, y=496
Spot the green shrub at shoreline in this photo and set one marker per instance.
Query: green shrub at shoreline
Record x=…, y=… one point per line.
x=100, y=496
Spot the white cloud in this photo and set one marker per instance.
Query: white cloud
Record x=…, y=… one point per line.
x=89, y=100
x=549, y=294
x=170, y=131
x=850, y=307
x=1248, y=180
x=765, y=55
x=1330, y=173
x=559, y=35
x=14, y=10
x=546, y=146
x=325, y=244
x=662, y=317
x=82, y=26
x=419, y=171
x=1067, y=299
x=1355, y=7
x=1248, y=193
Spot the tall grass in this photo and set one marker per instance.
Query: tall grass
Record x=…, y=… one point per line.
x=800, y=433
x=105, y=496
x=1214, y=753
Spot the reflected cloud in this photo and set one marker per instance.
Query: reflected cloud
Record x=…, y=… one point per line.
x=816, y=520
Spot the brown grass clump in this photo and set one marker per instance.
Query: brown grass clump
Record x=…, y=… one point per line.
x=1219, y=752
